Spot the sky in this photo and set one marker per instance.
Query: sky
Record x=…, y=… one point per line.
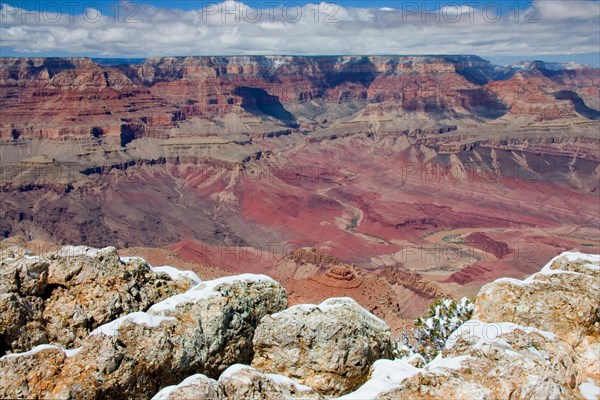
x=503, y=31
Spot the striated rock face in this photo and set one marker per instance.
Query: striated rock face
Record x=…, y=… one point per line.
x=392, y=294
x=329, y=347
x=57, y=98
x=60, y=297
x=530, y=339
x=238, y=382
x=205, y=329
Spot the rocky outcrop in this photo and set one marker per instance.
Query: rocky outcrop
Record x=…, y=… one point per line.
x=60, y=297
x=329, y=347
x=562, y=299
x=206, y=329
x=536, y=338
x=238, y=382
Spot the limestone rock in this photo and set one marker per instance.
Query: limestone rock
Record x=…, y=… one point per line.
x=61, y=297
x=530, y=339
x=205, y=329
x=495, y=361
x=197, y=386
x=329, y=347
x=238, y=382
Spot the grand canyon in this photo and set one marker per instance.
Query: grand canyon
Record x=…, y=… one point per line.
x=369, y=185
x=348, y=200
x=422, y=176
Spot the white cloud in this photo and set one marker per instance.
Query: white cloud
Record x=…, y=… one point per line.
x=551, y=27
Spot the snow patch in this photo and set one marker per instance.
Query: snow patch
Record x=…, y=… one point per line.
x=439, y=364
x=592, y=262
x=173, y=272
x=387, y=375
x=589, y=390
x=176, y=274
x=42, y=347
x=331, y=304
x=72, y=251
x=592, y=267
x=570, y=256
x=577, y=256
x=140, y=317
x=189, y=381
x=490, y=332
x=203, y=291
x=284, y=380
x=232, y=370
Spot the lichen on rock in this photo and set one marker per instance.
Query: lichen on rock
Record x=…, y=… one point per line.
x=206, y=329
x=60, y=297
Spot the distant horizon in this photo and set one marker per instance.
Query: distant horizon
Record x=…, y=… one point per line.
x=592, y=60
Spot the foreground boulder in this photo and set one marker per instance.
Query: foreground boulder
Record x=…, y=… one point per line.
x=329, y=347
x=206, y=329
x=238, y=382
x=60, y=297
x=530, y=339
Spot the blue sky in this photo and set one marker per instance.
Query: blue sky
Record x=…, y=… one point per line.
x=503, y=31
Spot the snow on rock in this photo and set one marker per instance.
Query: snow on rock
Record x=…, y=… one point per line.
x=176, y=274
x=137, y=354
x=42, y=347
x=388, y=375
x=112, y=328
x=440, y=364
x=590, y=261
x=480, y=333
x=329, y=347
x=172, y=272
x=332, y=303
x=186, y=389
x=385, y=376
x=589, y=390
x=60, y=297
x=203, y=291
x=74, y=251
x=238, y=382
x=535, y=338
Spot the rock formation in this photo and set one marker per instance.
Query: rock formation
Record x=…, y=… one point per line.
x=536, y=338
x=84, y=99
x=239, y=382
x=517, y=345
x=483, y=242
x=59, y=298
x=206, y=329
x=175, y=152
x=397, y=165
x=329, y=347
